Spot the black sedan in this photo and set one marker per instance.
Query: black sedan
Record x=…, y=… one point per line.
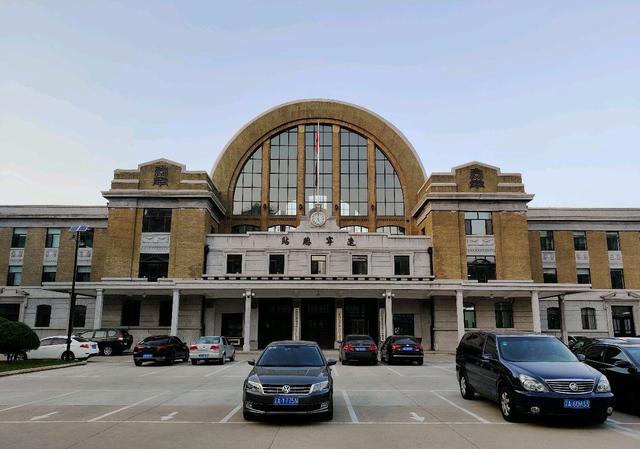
x=358, y=348
x=289, y=378
x=160, y=348
x=402, y=348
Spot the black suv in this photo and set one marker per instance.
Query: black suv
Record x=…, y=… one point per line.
x=110, y=340
x=530, y=374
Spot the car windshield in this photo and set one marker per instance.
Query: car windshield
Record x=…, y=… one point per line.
x=634, y=354
x=153, y=341
x=358, y=339
x=534, y=349
x=208, y=340
x=291, y=355
x=79, y=339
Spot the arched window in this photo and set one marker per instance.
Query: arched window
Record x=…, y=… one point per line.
x=79, y=315
x=553, y=318
x=481, y=268
x=504, y=315
x=354, y=228
x=389, y=199
x=588, y=318
x=283, y=173
x=43, y=315
x=321, y=171
x=354, y=192
x=470, y=315
x=244, y=228
x=246, y=197
x=393, y=230
x=281, y=228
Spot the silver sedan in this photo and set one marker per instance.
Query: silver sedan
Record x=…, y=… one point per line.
x=211, y=348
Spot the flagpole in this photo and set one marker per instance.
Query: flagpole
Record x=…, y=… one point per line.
x=318, y=163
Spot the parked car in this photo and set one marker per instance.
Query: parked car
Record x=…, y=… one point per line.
x=530, y=374
x=289, y=377
x=56, y=348
x=577, y=342
x=110, y=340
x=581, y=346
x=402, y=348
x=358, y=348
x=620, y=362
x=160, y=348
x=214, y=348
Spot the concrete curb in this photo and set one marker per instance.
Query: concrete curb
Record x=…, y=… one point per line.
x=41, y=368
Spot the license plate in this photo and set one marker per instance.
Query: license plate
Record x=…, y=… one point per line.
x=285, y=400
x=147, y=356
x=577, y=403
x=204, y=356
x=407, y=348
x=361, y=349
x=93, y=346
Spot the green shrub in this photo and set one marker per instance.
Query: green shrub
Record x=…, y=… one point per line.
x=16, y=338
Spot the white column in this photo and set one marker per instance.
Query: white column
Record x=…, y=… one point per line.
x=563, y=320
x=296, y=322
x=609, y=315
x=97, y=315
x=535, y=311
x=175, y=309
x=388, y=307
x=460, y=313
x=338, y=326
x=246, y=346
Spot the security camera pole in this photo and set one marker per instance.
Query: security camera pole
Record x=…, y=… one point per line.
x=77, y=230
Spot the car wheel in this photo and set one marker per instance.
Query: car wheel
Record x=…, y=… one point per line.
x=466, y=390
x=107, y=350
x=68, y=356
x=420, y=362
x=171, y=359
x=344, y=362
x=194, y=362
x=138, y=362
x=507, y=407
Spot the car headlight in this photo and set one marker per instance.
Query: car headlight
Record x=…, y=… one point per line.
x=531, y=384
x=254, y=387
x=603, y=385
x=319, y=387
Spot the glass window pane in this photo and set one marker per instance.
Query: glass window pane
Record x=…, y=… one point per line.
x=246, y=198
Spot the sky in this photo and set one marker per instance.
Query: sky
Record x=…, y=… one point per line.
x=549, y=89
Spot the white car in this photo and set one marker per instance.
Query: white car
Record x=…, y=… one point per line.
x=55, y=347
x=211, y=348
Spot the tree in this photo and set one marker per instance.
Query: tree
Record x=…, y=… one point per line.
x=16, y=338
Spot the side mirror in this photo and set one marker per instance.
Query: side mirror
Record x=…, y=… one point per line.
x=331, y=362
x=251, y=362
x=581, y=357
x=622, y=364
x=488, y=357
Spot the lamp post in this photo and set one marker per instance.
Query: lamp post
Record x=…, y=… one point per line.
x=77, y=230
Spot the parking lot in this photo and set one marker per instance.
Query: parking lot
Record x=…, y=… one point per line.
x=110, y=403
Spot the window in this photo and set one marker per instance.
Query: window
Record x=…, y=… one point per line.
x=276, y=263
x=53, y=238
x=130, y=313
x=617, y=278
x=553, y=318
x=318, y=264
x=281, y=228
x=10, y=312
x=154, y=266
x=83, y=274
x=43, y=315
x=244, y=228
x=86, y=239
x=19, y=237
x=401, y=266
x=354, y=228
x=478, y=223
x=614, y=354
x=546, y=241
x=49, y=273
x=389, y=199
x=166, y=310
x=248, y=191
x=588, y=318
x=584, y=275
x=481, y=268
x=156, y=220
x=580, y=240
x=79, y=315
x=14, y=278
x=469, y=315
x=234, y=263
x=231, y=325
x=315, y=172
x=595, y=353
x=404, y=324
x=354, y=191
x=359, y=265
x=490, y=346
x=283, y=173
x=393, y=230
x=613, y=241
x=550, y=276
x=504, y=315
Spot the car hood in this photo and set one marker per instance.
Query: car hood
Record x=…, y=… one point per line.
x=555, y=370
x=289, y=375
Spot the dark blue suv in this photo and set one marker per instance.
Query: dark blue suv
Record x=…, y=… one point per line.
x=530, y=374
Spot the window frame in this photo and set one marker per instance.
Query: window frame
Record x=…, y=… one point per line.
x=14, y=272
x=547, y=242
x=52, y=240
x=134, y=306
x=281, y=256
x=580, y=241
x=326, y=263
x=160, y=223
x=500, y=311
x=165, y=316
x=473, y=218
x=80, y=316
x=580, y=273
x=555, y=310
x=227, y=261
x=43, y=316
x=614, y=283
x=19, y=238
x=470, y=307
x=395, y=264
x=366, y=262
x=546, y=273
x=44, y=272
x=588, y=314
x=613, y=240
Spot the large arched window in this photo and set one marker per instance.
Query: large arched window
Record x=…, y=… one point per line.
x=389, y=199
x=318, y=172
x=244, y=228
x=393, y=230
x=354, y=228
x=354, y=192
x=283, y=173
x=246, y=197
x=281, y=228
x=43, y=315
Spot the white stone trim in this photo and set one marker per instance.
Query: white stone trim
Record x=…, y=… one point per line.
x=50, y=257
x=548, y=259
x=582, y=259
x=481, y=245
x=615, y=259
x=16, y=256
x=155, y=242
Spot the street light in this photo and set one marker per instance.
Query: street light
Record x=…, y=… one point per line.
x=77, y=230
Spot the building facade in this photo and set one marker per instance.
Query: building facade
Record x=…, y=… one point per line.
x=316, y=221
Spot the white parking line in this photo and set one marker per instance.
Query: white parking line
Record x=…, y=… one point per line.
x=97, y=418
x=393, y=371
x=469, y=412
x=36, y=418
x=352, y=412
x=623, y=430
x=334, y=370
x=149, y=373
x=38, y=400
x=213, y=373
x=230, y=414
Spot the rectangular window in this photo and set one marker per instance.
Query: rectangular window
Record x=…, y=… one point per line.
x=53, y=238
x=550, y=276
x=469, y=316
x=401, y=266
x=318, y=264
x=156, y=220
x=19, y=237
x=617, y=278
x=546, y=241
x=234, y=263
x=613, y=241
x=86, y=239
x=153, y=266
x=10, y=312
x=404, y=324
x=478, y=223
x=49, y=273
x=321, y=171
x=359, y=265
x=43, y=315
x=130, y=313
x=15, y=276
x=83, y=274
x=276, y=264
x=584, y=276
x=588, y=318
x=481, y=268
x=504, y=315
x=79, y=315
x=553, y=318
x=166, y=310
x=580, y=240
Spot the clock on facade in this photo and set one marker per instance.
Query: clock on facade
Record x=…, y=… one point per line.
x=318, y=218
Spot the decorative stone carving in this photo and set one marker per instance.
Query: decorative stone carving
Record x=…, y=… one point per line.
x=615, y=259
x=481, y=245
x=548, y=259
x=84, y=256
x=16, y=256
x=50, y=256
x=161, y=176
x=155, y=242
x=476, y=179
x=582, y=259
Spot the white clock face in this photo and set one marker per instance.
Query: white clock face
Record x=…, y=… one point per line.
x=318, y=218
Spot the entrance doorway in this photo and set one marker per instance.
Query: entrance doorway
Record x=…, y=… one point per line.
x=275, y=318
x=361, y=317
x=623, y=325
x=318, y=321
